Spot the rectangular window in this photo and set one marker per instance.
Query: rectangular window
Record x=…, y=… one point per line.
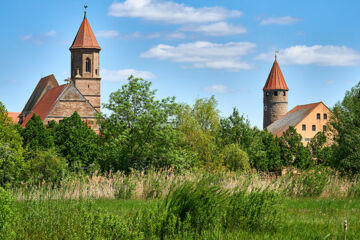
x=325, y=116
x=275, y=93
x=318, y=116
x=313, y=127
x=304, y=127
x=284, y=93
x=267, y=93
x=307, y=139
x=324, y=128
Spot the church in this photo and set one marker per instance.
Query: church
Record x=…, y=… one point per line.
x=52, y=101
x=307, y=119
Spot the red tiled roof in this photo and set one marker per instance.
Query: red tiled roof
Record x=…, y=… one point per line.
x=291, y=118
x=41, y=88
x=14, y=116
x=275, y=80
x=46, y=103
x=85, y=37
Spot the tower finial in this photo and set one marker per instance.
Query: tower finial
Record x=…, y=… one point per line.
x=85, y=7
x=276, y=53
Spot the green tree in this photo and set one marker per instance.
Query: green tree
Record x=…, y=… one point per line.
x=264, y=151
x=139, y=132
x=293, y=152
x=235, y=159
x=236, y=129
x=77, y=142
x=320, y=150
x=36, y=136
x=200, y=127
x=47, y=165
x=12, y=165
x=346, y=126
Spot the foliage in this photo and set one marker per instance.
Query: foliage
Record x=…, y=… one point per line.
x=257, y=210
x=199, y=203
x=12, y=166
x=77, y=142
x=346, y=125
x=46, y=166
x=235, y=159
x=7, y=214
x=310, y=183
x=8, y=131
x=236, y=129
x=320, y=151
x=200, y=125
x=293, y=152
x=138, y=133
x=36, y=136
x=264, y=152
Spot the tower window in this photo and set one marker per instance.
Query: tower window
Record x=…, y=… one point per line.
x=313, y=127
x=284, y=93
x=267, y=94
x=304, y=127
x=88, y=65
x=325, y=116
x=318, y=116
x=96, y=71
x=275, y=93
x=265, y=108
x=88, y=85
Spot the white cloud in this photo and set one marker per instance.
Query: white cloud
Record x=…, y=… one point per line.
x=279, y=20
x=205, y=54
x=50, y=33
x=218, y=88
x=124, y=74
x=175, y=35
x=107, y=34
x=171, y=12
x=327, y=55
x=39, y=38
x=216, y=29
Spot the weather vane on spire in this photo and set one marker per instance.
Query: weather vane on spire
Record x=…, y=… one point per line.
x=276, y=53
x=85, y=7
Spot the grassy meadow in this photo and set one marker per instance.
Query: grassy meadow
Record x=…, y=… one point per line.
x=164, y=205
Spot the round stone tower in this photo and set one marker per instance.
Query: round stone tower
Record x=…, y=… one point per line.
x=275, y=96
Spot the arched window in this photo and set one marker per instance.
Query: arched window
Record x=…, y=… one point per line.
x=88, y=65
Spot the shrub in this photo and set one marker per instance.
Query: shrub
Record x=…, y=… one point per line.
x=6, y=214
x=310, y=183
x=354, y=190
x=197, y=203
x=12, y=166
x=47, y=165
x=235, y=158
x=258, y=210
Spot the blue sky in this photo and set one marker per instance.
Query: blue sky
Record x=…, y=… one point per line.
x=188, y=49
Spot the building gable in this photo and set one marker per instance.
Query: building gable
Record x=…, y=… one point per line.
x=71, y=100
x=291, y=118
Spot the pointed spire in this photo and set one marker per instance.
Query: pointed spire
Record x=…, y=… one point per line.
x=275, y=80
x=85, y=37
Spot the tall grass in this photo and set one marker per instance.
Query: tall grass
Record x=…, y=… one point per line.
x=156, y=184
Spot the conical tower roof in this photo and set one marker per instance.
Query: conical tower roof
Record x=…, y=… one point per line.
x=275, y=80
x=85, y=37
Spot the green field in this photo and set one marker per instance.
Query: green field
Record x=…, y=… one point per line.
x=302, y=219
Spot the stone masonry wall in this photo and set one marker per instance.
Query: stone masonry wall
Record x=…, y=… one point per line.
x=274, y=106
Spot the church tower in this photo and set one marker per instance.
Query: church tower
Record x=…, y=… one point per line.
x=85, y=71
x=275, y=95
